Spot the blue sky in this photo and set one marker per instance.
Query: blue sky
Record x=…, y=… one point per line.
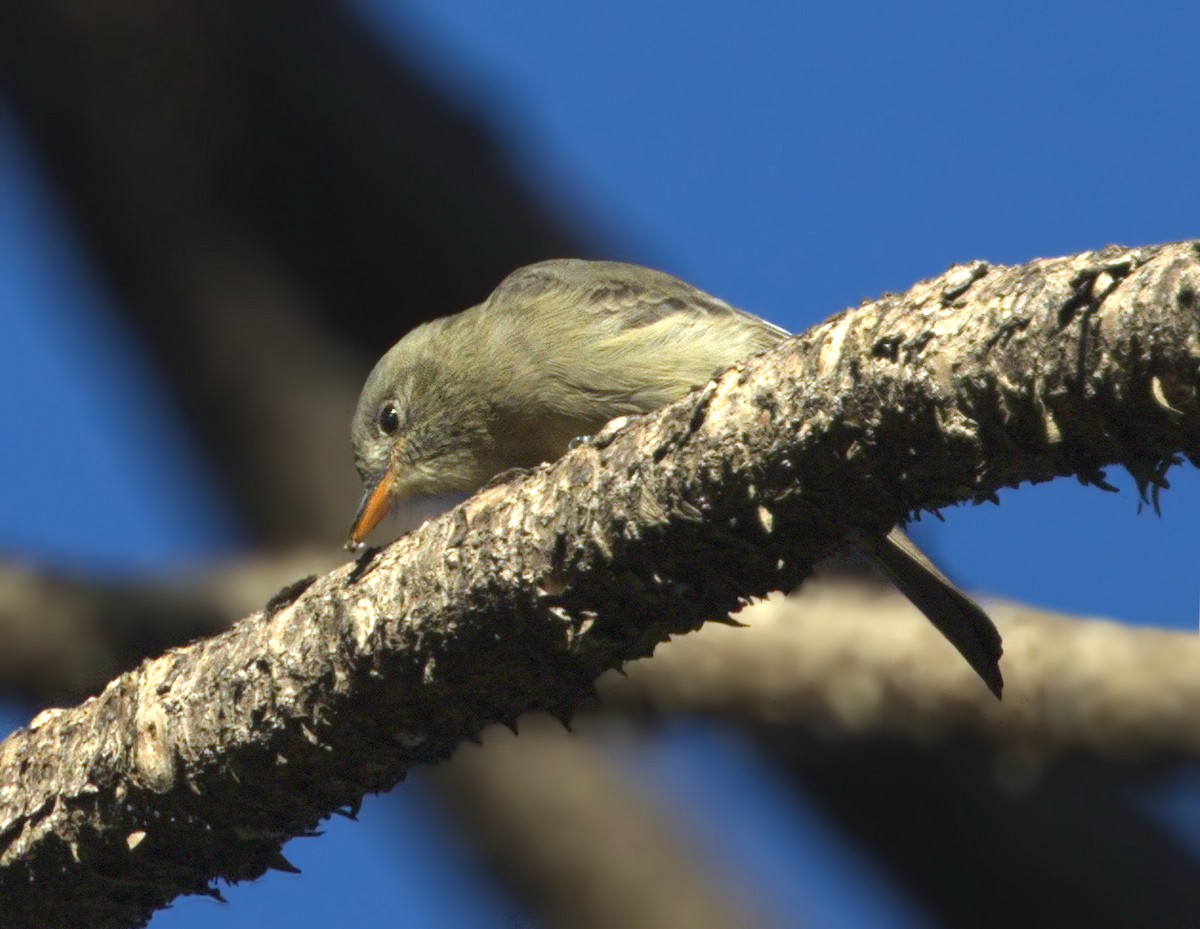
x=791, y=158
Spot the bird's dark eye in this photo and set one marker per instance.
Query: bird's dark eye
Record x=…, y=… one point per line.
x=389, y=419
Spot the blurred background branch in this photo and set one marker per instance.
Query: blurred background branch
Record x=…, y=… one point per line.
x=582, y=844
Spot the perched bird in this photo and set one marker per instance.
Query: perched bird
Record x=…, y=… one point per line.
x=559, y=349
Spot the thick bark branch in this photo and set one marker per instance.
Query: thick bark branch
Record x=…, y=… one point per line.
x=201, y=762
x=843, y=655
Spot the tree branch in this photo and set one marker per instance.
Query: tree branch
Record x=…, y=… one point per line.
x=842, y=655
x=943, y=816
x=558, y=824
x=65, y=636
x=198, y=764
x=841, y=659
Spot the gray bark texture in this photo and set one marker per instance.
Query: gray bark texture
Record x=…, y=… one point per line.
x=200, y=763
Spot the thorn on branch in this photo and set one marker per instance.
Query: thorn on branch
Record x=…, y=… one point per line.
x=1151, y=480
x=210, y=891
x=278, y=862
x=1096, y=477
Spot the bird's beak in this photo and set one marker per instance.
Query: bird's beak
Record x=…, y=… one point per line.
x=376, y=501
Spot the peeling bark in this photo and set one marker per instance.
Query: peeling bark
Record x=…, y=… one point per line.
x=200, y=763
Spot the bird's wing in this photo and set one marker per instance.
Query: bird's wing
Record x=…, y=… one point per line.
x=628, y=296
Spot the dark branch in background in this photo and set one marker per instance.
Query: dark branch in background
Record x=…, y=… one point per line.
x=557, y=821
x=274, y=198
x=1074, y=847
x=201, y=762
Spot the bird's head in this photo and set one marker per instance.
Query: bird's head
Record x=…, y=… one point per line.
x=416, y=433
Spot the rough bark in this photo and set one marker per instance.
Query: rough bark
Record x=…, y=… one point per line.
x=198, y=764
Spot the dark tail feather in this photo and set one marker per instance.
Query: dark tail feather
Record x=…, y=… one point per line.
x=955, y=615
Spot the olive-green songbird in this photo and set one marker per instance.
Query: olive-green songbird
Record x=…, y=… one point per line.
x=556, y=351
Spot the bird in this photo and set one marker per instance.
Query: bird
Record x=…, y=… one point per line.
x=556, y=351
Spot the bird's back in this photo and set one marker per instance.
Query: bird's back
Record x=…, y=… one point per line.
x=628, y=338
